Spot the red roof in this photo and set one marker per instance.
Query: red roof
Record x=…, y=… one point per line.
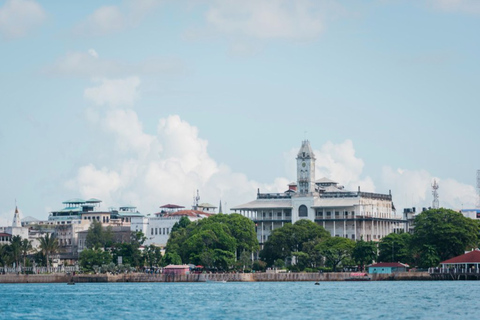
x=172, y=206
x=389, y=265
x=470, y=257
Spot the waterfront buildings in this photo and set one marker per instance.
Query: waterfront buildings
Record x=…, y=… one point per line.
x=350, y=214
x=387, y=267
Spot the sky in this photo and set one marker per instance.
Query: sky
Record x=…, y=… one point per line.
x=144, y=102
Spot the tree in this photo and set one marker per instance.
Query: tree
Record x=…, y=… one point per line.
x=98, y=237
x=181, y=224
x=48, y=246
x=336, y=250
x=365, y=252
x=94, y=257
x=444, y=231
x=130, y=251
x=4, y=256
x=16, y=249
x=395, y=247
x=213, y=242
x=26, y=247
x=153, y=256
x=284, y=241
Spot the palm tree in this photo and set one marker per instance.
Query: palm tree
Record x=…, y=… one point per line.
x=48, y=246
x=25, y=246
x=16, y=249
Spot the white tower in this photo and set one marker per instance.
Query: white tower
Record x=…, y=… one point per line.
x=435, y=203
x=306, y=169
x=16, y=219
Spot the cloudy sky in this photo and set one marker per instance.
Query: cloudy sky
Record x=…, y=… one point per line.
x=143, y=102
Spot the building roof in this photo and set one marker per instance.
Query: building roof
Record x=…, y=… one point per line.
x=30, y=219
x=5, y=235
x=388, y=265
x=171, y=206
x=265, y=203
x=175, y=266
x=469, y=257
x=93, y=200
x=306, y=150
x=74, y=201
x=188, y=213
x=206, y=205
x=325, y=180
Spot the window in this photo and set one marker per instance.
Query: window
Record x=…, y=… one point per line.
x=152, y=232
x=303, y=211
x=163, y=230
x=156, y=231
x=279, y=214
x=167, y=230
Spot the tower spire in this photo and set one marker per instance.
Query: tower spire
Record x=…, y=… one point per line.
x=16, y=217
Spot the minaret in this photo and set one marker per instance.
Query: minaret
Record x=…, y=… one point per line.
x=306, y=169
x=16, y=218
x=220, y=207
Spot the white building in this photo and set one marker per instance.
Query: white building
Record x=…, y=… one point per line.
x=15, y=229
x=350, y=214
x=157, y=229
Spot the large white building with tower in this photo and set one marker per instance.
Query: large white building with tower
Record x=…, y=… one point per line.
x=351, y=214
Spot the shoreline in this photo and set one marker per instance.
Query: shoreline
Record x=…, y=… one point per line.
x=229, y=277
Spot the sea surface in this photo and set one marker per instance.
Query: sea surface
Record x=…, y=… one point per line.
x=243, y=300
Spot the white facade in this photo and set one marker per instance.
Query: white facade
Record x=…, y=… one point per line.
x=350, y=214
x=156, y=230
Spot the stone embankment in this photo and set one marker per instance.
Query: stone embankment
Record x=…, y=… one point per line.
x=231, y=277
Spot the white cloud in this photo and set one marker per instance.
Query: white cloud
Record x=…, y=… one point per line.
x=272, y=19
x=99, y=183
x=110, y=19
x=89, y=64
x=168, y=168
x=412, y=188
x=114, y=92
x=18, y=17
x=464, y=6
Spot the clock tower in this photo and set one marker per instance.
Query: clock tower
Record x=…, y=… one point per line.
x=306, y=169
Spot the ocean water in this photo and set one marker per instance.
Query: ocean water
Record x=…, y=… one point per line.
x=243, y=300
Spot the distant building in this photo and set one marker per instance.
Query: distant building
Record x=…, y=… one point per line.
x=469, y=260
x=471, y=213
x=16, y=229
x=351, y=214
x=157, y=229
x=387, y=267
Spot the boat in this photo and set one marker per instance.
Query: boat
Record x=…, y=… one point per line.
x=358, y=276
x=70, y=283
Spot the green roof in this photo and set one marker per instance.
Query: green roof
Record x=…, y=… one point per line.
x=74, y=201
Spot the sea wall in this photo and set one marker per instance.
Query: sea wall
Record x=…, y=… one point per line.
x=231, y=277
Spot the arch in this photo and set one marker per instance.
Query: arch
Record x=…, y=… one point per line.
x=303, y=211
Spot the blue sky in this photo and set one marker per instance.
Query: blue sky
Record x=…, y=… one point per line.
x=143, y=102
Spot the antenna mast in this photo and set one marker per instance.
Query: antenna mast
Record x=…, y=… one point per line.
x=435, y=186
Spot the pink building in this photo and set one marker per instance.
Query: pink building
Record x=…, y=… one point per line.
x=176, y=269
